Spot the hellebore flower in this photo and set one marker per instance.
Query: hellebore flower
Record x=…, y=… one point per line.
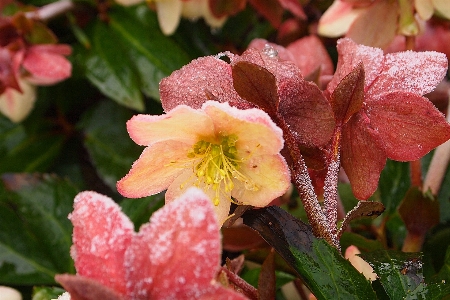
x=225, y=151
x=174, y=256
x=378, y=104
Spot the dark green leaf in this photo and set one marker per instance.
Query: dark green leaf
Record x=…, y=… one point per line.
x=153, y=54
x=108, y=67
x=363, y=244
x=25, y=150
x=35, y=234
x=107, y=141
x=393, y=185
x=322, y=268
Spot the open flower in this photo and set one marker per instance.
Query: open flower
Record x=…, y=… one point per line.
x=174, y=256
x=380, y=109
x=225, y=151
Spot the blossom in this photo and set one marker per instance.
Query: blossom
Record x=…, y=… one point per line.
x=380, y=109
x=17, y=105
x=174, y=256
x=225, y=151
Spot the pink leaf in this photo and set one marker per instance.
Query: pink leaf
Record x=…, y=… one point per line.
x=83, y=288
x=101, y=235
x=182, y=244
x=206, y=78
x=408, y=125
x=362, y=158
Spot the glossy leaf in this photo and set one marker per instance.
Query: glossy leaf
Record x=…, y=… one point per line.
x=46, y=293
x=25, y=150
x=153, y=54
x=140, y=210
x=114, y=77
x=102, y=131
x=394, y=183
x=401, y=275
x=322, y=268
x=35, y=234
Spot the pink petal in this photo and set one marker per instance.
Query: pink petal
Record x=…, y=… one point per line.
x=337, y=18
x=361, y=157
x=101, y=234
x=206, y=78
x=282, y=52
x=294, y=7
x=310, y=54
x=415, y=72
x=182, y=124
x=155, y=169
x=408, y=125
x=376, y=34
x=182, y=245
x=350, y=55
x=47, y=64
x=271, y=176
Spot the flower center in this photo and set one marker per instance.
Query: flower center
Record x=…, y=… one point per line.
x=215, y=165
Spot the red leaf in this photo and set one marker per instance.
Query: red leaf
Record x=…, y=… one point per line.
x=101, y=235
x=266, y=280
x=307, y=112
x=407, y=125
x=362, y=158
x=270, y=9
x=348, y=97
x=256, y=85
x=182, y=245
x=83, y=288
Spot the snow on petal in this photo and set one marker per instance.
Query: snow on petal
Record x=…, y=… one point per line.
x=17, y=105
x=414, y=72
x=205, y=78
x=169, y=15
x=408, y=125
x=46, y=64
x=155, y=170
x=101, y=235
x=147, y=129
x=350, y=55
x=182, y=245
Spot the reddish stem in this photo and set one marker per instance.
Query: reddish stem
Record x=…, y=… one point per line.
x=415, y=169
x=248, y=290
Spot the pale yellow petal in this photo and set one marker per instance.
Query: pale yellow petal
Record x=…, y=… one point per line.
x=351, y=253
x=186, y=180
x=154, y=171
x=257, y=134
x=192, y=9
x=269, y=178
x=182, y=124
x=169, y=14
x=443, y=7
x=424, y=8
x=129, y=2
x=338, y=18
x=16, y=105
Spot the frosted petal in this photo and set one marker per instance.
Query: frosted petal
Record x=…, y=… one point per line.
x=350, y=55
x=182, y=244
x=206, y=78
x=414, y=72
x=101, y=234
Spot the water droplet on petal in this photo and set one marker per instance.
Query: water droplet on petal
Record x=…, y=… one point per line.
x=270, y=51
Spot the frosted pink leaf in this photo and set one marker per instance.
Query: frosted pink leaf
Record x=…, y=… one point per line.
x=206, y=78
x=101, y=235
